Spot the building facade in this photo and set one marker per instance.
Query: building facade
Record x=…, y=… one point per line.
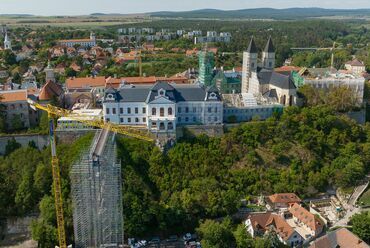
x=91, y=42
x=163, y=106
x=206, y=65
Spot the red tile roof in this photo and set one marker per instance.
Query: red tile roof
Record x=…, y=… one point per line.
x=85, y=82
x=115, y=82
x=288, y=68
x=342, y=238
x=284, y=198
x=50, y=90
x=355, y=62
x=306, y=217
x=264, y=220
x=13, y=96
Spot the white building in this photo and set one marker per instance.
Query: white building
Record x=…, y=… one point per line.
x=7, y=42
x=260, y=223
x=91, y=42
x=355, y=66
x=163, y=107
x=71, y=123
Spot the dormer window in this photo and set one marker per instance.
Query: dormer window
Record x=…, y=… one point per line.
x=213, y=96
x=161, y=92
x=110, y=97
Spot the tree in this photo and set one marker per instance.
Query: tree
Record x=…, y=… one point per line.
x=361, y=225
x=11, y=146
x=16, y=122
x=243, y=238
x=216, y=235
x=9, y=57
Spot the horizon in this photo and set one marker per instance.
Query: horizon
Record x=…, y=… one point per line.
x=86, y=7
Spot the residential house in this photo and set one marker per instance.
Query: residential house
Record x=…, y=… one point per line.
x=282, y=201
x=17, y=109
x=355, y=66
x=307, y=219
x=340, y=238
x=51, y=91
x=260, y=223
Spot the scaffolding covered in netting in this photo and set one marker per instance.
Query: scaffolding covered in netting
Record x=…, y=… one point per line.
x=96, y=195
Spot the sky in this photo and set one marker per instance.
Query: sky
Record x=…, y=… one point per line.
x=78, y=7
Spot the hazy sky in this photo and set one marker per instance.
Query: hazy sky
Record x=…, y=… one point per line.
x=76, y=7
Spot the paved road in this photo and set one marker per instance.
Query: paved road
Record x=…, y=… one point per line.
x=350, y=206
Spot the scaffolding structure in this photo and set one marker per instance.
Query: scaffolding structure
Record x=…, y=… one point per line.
x=96, y=195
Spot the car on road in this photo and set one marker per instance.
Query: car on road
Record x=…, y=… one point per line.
x=172, y=238
x=155, y=240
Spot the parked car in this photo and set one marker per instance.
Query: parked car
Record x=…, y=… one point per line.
x=155, y=240
x=187, y=237
x=173, y=238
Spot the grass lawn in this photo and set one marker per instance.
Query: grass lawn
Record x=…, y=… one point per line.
x=365, y=198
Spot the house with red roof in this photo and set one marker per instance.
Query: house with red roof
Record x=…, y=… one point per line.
x=303, y=217
x=355, y=66
x=281, y=200
x=259, y=224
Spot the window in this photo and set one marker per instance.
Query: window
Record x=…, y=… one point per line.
x=21, y=105
x=186, y=109
x=270, y=64
x=114, y=110
x=144, y=119
x=179, y=109
x=186, y=119
x=154, y=111
x=194, y=119
x=144, y=110
x=136, y=120
x=161, y=112
x=136, y=110
x=121, y=110
x=121, y=120
x=107, y=111
x=154, y=124
x=215, y=118
x=209, y=118
x=128, y=119
x=179, y=119
x=215, y=109
x=209, y=109
x=107, y=120
x=128, y=110
x=194, y=109
x=169, y=111
x=161, y=126
x=170, y=126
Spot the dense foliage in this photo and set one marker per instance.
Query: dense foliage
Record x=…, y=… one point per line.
x=304, y=151
x=361, y=225
x=26, y=186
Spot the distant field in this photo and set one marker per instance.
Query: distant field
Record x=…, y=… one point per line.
x=71, y=21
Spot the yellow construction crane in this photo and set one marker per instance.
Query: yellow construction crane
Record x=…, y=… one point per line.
x=54, y=112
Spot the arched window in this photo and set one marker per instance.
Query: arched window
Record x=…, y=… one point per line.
x=161, y=112
x=170, y=126
x=169, y=111
x=161, y=126
x=154, y=111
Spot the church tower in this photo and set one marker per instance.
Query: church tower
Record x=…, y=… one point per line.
x=7, y=42
x=49, y=73
x=268, y=55
x=249, y=64
x=92, y=36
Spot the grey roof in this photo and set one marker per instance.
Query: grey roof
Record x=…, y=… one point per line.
x=269, y=48
x=264, y=76
x=282, y=81
x=271, y=94
x=252, y=48
x=176, y=93
x=134, y=93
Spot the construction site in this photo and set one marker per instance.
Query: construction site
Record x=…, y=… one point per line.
x=96, y=194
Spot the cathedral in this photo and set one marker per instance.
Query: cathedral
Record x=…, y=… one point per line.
x=260, y=79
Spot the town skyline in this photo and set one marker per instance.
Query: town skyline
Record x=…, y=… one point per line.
x=84, y=7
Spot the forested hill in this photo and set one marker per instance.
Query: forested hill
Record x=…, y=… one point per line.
x=264, y=13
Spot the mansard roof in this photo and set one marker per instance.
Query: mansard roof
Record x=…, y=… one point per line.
x=269, y=48
x=252, y=48
x=174, y=92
